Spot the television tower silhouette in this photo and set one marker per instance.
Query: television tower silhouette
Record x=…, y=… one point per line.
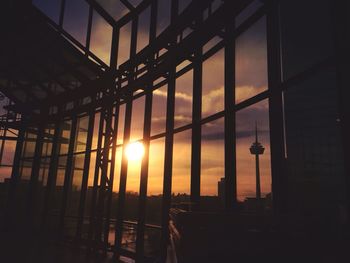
x=257, y=149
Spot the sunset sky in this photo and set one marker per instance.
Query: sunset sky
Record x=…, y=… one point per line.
x=251, y=79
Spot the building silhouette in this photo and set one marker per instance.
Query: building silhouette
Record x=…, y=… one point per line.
x=79, y=80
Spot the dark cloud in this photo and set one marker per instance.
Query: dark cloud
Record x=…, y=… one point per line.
x=213, y=136
x=240, y=134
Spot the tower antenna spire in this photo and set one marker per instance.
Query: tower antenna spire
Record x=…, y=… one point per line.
x=257, y=149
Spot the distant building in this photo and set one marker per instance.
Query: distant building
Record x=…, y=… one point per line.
x=221, y=190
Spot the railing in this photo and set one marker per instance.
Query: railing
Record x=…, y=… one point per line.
x=152, y=235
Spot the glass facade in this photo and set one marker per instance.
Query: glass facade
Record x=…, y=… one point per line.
x=197, y=123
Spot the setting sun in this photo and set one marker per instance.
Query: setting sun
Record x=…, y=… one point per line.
x=134, y=151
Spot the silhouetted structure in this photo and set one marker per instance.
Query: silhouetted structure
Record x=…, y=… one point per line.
x=257, y=149
x=74, y=74
x=221, y=190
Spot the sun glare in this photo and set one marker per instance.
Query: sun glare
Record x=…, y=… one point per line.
x=134, y=151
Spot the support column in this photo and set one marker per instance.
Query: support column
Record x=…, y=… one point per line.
x=169, y=145
x=92, y=223
x=278, y=171
x=15, y=175
x=146, y=142
x=168, y=163
x=68, y=173
x=84, y=184
x=126, y=138
x=230, y=115
x=33, y=184
x=196, y=125
x=123, y=176
x=144, y=178
x=52, y=176
x=111, y=172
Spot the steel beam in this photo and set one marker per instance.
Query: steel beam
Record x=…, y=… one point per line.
x=230, y=120
x=86, y=170
x=113, y=148
x=123, y=177
x=15, y=175
x=278, y=162
x=92, y=224
x=52, y=176
x=126, y=139
x=144, y=180
x=146, y=142
x=69, y=172
x=33, y=183
x=196, y=126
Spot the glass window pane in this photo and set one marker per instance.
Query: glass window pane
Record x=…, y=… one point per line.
x=50, y=8
x=114, y=7
x=80, y=144
x=9, y=152
x=76, y=19
x=181, y=178
x=251, y=62
x=124, y=43
x=154, y=197
x=246, y=161
x=101, y=38
x=212, y=164
x=163, y=17
x=138, y=109
x=159, y=110
x=213, y=84
x=143, y=29
x=64, y=140
x=96, y=129
x=183, y=99
x=247, y=12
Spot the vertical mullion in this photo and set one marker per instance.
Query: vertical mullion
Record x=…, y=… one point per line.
x=92, y=222
x=86, y=168
x=68, y=172
x=144, y=178
x=278, y=173
x=4, y=127
x=230, y=120
x=146, y=142
x=168, y=163
x=35, y=170
x=15, y=174
x=88, y=31
x=114, y=48
x=104, y=182
x=111, y=172
x=126, y=138
x=123, y=176
x=196, y=126
x=133, y=44
x=51, y=180
x=169, y=145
